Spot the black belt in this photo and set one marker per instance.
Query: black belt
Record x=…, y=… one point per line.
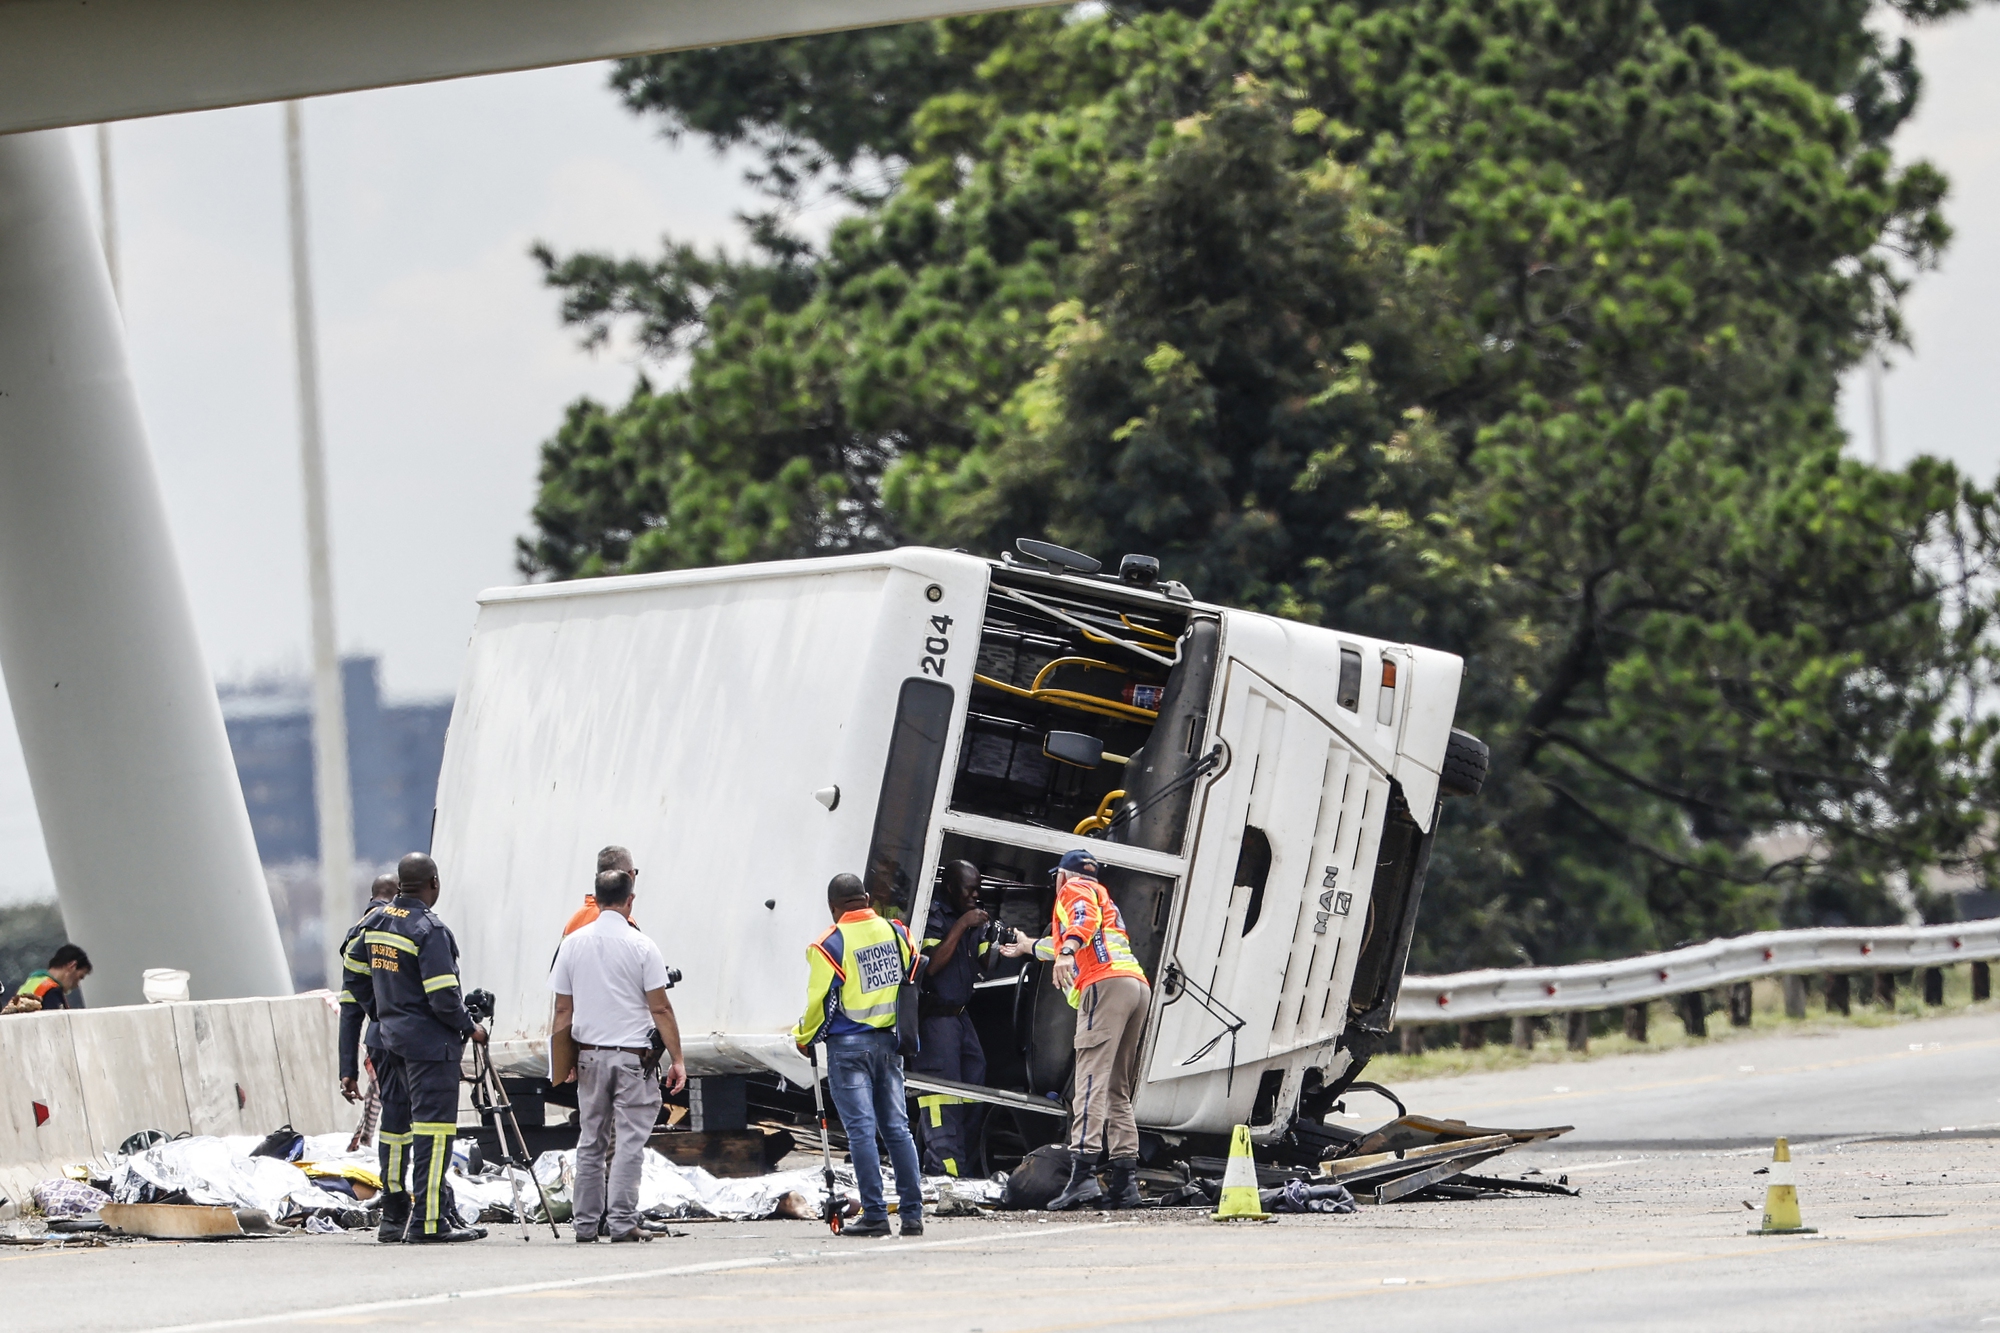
x=641, y=1052
x=941, y=1011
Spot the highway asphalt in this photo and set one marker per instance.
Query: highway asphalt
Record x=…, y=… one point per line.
x=1898, y=1163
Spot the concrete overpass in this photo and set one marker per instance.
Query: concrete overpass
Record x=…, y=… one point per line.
x=138, y=797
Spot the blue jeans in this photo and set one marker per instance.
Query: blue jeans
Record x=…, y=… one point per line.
x=865, y=1076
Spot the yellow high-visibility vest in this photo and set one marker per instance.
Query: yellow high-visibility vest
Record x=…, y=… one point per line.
x=857, y=967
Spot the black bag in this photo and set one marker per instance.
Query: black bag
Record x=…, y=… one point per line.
x=908, y=1020
x=283, y=1143
x=1039, y=1178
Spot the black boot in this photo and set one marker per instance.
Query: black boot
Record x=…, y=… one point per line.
x=1083, y=1187
x=1121, y=1183
x=446, y=1234
x=395, y=1216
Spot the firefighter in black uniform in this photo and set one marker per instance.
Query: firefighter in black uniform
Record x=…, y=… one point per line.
x=412, y=979
x=954, y=944
x=357, y=1006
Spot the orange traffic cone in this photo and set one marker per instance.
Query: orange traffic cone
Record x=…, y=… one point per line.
x=1781, y=1198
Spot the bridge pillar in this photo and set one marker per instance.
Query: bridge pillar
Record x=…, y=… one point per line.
x=154, y=862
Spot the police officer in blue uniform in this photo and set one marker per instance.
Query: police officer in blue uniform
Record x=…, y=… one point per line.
x=357, y=1006
x=954, y=941
x=412, y=963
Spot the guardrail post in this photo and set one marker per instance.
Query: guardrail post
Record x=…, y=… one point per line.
x=1795, y=996
x=1933, y=985
x=1471, y=1036
x=1413, y=1041
x=1885, y=989
x=1739, y=1005
x=1982, y=981
x=1524, y=1032
x=1694, y=1013
x=1838, y=994
x=1579, y=1030
x=1635, y=1021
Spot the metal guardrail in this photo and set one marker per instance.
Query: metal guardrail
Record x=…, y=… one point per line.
x=1503, y=992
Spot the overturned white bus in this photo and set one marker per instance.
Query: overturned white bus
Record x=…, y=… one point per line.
x=1261, y=794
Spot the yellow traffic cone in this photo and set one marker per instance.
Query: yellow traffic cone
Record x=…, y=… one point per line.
x=1781, y=1198
x=1239, y=1182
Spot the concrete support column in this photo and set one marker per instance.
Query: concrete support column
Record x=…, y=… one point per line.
x=154, y=862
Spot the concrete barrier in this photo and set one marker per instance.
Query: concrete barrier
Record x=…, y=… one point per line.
x=307, y=1042
x=229, y=1065
x=44, y=1116
x=210, y=1067
x=126, y=1087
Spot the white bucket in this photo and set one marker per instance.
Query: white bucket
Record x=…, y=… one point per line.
x=164, y=985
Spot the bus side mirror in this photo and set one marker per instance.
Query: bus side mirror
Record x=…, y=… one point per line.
x=1073, y=747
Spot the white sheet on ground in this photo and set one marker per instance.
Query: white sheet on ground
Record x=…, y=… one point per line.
x=221, y=1172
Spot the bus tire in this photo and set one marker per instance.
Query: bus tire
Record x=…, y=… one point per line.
x=1465, y=764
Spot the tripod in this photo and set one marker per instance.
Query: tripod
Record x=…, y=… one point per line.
x=489, y=1095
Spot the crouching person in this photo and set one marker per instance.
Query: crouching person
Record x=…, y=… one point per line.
x=611, y=993
x=855, y=970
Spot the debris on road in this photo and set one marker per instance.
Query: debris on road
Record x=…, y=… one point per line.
x=671, y=1192
x=67, y=1198
x=1421, y=1158
x=188, y=1221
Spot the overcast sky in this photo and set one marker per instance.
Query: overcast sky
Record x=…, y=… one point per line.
x=443, y=366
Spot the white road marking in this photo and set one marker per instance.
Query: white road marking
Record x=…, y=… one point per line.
x=603, y=1279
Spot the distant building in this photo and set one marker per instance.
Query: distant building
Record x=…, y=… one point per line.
x=394, y=752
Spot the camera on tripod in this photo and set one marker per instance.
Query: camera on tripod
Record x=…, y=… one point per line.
x=479, y=1004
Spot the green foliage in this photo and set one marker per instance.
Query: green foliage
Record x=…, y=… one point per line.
x=30, y=933
x=1511, y=328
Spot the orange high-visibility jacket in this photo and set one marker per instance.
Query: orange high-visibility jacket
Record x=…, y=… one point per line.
x=1086, y=917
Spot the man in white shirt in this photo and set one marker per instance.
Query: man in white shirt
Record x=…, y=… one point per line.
x=611, y=993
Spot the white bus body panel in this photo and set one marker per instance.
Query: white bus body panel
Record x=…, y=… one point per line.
x=690, y=717
x=1314, y=777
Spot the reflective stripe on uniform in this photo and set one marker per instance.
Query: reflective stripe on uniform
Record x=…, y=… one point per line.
x=397, y=1144
x=444, y=982
x=351, y=965
x=936, y=1103
x=832, y=962
x=439, y=1133
x=390, y=938
x=347, y=997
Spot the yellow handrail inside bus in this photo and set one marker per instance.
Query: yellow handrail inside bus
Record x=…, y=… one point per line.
x=1082, y=703
x=1145, y=629
x=1102, y=819
x=1087, y=663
